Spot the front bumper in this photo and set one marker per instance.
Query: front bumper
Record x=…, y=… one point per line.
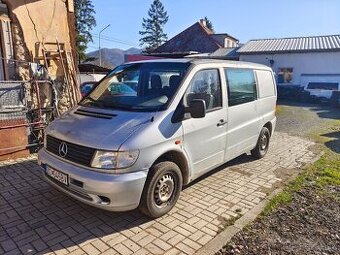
x=113, y=192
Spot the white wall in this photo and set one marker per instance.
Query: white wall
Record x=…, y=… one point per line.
x=84, y=77
x=302, y=63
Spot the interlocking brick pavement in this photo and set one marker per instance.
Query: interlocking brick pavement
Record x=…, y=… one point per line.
x=35, y=218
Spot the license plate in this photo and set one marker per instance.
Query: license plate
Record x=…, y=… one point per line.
x=57, y=175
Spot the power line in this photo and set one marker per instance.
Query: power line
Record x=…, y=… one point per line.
x=111, y=39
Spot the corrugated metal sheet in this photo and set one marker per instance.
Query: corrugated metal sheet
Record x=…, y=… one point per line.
x=295, y=44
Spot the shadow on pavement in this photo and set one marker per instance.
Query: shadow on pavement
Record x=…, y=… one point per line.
x=333, y=144
x=244, y=158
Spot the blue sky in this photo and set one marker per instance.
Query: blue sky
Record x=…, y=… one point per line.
x=243, y=19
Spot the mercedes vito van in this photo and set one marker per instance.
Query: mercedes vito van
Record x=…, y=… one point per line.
x=151, y=127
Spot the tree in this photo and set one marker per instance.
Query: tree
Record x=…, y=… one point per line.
x=152, y=34
x=85, y=21
x=209, y=24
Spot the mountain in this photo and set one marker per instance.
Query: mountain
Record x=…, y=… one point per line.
x=111, y=57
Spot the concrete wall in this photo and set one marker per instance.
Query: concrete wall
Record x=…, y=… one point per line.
x=322, y=63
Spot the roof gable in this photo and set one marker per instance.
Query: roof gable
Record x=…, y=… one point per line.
x=291, y=45
x=194, y=38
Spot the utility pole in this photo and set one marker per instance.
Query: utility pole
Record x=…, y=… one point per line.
x=100, y=52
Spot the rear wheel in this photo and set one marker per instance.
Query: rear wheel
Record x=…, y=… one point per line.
x=161, y=190
x=262, y=144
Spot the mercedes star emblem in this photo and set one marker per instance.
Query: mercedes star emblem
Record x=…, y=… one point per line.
x=63, y=150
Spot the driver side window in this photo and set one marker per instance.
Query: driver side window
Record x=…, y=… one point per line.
x=205, y=85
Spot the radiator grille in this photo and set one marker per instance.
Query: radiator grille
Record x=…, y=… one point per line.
x=76, y=153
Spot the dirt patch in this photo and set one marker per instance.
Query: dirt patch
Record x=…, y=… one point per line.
x=285, y=175
x=308, y=225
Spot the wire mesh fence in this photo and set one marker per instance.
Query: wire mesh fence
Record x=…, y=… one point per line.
x=13, y=109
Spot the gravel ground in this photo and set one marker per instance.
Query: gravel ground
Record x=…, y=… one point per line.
x=310, y=224
x=304, y=119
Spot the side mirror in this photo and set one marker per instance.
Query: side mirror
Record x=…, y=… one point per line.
x=197, y=108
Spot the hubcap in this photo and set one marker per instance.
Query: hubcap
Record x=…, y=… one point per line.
x=164, y=189
x=263, y=142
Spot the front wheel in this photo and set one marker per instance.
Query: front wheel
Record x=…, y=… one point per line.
x=262, y=144
x=161, y=190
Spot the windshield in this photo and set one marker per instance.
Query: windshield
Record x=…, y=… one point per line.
x=138, y=87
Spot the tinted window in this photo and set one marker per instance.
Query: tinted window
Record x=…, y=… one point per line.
x=241, y=86
x=323, y=85
x=205, y=85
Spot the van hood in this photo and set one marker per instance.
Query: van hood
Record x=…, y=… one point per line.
x=98, y=128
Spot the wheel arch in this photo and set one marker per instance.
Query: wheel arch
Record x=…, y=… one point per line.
x=269, y=125
x=178, y=158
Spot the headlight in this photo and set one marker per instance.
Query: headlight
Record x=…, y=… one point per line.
x=114, y=159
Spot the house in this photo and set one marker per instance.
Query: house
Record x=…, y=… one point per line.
x=197, y=38
x=34, y=36
x=312, y=61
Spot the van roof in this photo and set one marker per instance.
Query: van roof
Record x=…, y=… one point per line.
x=198, y=61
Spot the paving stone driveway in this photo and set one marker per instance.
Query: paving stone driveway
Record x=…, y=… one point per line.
x=35, y=218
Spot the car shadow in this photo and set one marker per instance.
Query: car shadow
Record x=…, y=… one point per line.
x=333, y=144
x=36, y=218
x=244, y=158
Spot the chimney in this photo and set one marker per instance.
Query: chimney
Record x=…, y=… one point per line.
x=203, y=22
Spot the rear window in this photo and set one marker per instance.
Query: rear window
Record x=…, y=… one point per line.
x=323, y=85
x=266, y=83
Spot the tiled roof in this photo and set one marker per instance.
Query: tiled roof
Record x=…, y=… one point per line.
x=195, y=38
x=294, y=44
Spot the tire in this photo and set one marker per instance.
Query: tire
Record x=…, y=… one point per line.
x=262, y=144
x=161, y=190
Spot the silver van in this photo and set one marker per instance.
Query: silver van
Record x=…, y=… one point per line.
x=151, y=127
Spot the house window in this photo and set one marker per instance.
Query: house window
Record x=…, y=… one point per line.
x=285, y=75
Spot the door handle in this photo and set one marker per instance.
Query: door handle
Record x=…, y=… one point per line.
x=222, y=122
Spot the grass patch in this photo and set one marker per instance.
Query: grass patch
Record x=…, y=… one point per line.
x=231, y=221
x=327, y=169
x=283, y=197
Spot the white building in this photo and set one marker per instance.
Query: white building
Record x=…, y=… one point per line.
x=302, y=61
